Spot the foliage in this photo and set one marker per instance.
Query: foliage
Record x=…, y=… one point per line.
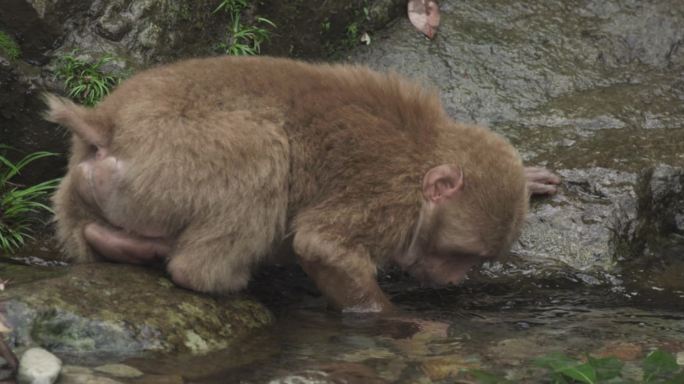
x=659, y=367
x=19, y=204
x=231, y=6
x=9, y=46
x=85, y=81
x=567, y=370
x=243, y=39
x=339, y=38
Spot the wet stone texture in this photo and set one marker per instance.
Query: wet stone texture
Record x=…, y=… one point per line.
x=591, y=89
x=105, y=311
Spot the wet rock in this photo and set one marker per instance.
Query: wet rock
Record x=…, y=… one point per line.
x=6, y=370
x=35, y=34
x=75, y=370
x=591, y=97
x=621, y=350
x=137, y=33
x=86, y=379
x=160, y=379
x=73, y=374
x=105, y=310
x=319, y=28
x=516, y=351
x=38, y=366
x=21, y=125
x=145, y=31
x=119, y=370
x=445, y=367
x=311, y=377
x=576, y=227
x=660, y=223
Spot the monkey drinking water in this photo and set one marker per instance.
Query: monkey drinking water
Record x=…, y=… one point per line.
x=209, y=164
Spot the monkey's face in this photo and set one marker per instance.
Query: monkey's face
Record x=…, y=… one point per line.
x=437, y=269
x=464, y=222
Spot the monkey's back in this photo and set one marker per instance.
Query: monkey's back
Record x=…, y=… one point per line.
x=241, y=128
x=329, y=113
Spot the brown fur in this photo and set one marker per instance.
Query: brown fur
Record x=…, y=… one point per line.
x=231, y=155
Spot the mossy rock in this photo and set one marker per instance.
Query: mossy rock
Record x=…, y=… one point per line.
x=120, y=310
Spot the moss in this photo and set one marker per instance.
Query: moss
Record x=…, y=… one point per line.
x=124, y=309
x=9, y=47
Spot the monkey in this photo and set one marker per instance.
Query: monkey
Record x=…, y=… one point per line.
x=207, y=165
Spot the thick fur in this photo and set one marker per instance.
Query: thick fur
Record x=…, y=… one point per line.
x=231, y=155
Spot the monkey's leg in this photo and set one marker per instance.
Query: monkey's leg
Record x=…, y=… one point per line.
x=206, y=258
x=122, y=247
x=71, y=216
x=345, y=276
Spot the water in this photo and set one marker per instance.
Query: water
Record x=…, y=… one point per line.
x=439, y=334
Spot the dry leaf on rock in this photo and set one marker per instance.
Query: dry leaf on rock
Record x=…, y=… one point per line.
x=424, y=15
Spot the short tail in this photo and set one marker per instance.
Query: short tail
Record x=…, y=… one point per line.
x=77, y=118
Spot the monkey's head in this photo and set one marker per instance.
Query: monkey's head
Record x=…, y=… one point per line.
x=472, y=212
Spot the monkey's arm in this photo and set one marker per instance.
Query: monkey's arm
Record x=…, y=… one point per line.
x=345, y=277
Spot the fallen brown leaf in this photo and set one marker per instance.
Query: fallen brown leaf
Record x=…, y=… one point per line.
x=424, y=15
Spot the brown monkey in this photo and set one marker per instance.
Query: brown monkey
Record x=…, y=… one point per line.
x=208, y=164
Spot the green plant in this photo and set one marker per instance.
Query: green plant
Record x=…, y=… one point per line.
x=352, y=31
x=231, y=6
x=242, y=39
x=659, y=367
x=567, y=370
x=9, y=46
x=245, y=40
x=325, y=26
x=85, y=81
x=19, y=204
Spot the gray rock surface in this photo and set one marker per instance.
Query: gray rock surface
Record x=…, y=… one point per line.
x=107, y=311
x=593, y=90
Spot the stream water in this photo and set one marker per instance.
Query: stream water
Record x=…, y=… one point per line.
x=441, y=334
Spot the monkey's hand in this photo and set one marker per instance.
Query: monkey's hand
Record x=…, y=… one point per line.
x=346, y=278
x=541, y=181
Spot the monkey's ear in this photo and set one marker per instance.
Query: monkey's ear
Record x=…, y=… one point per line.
x=442, y=182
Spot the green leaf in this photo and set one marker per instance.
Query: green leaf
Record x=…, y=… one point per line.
x=584, y=373
x=554, y=361
x=658, y=364
x=606, y=368
x=484, y=377
x=568, y=367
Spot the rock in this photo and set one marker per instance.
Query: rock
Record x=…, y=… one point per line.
x=622, y=350
x=445, y=367
x=114, y=311
x=562, y=99
x=6, y=370
x=73, y=374
x=660, y=213
x=119, y=370
x=38, y=366
x=160, y=379
x=75, y=370
x=21, y=125
x=86, y=378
